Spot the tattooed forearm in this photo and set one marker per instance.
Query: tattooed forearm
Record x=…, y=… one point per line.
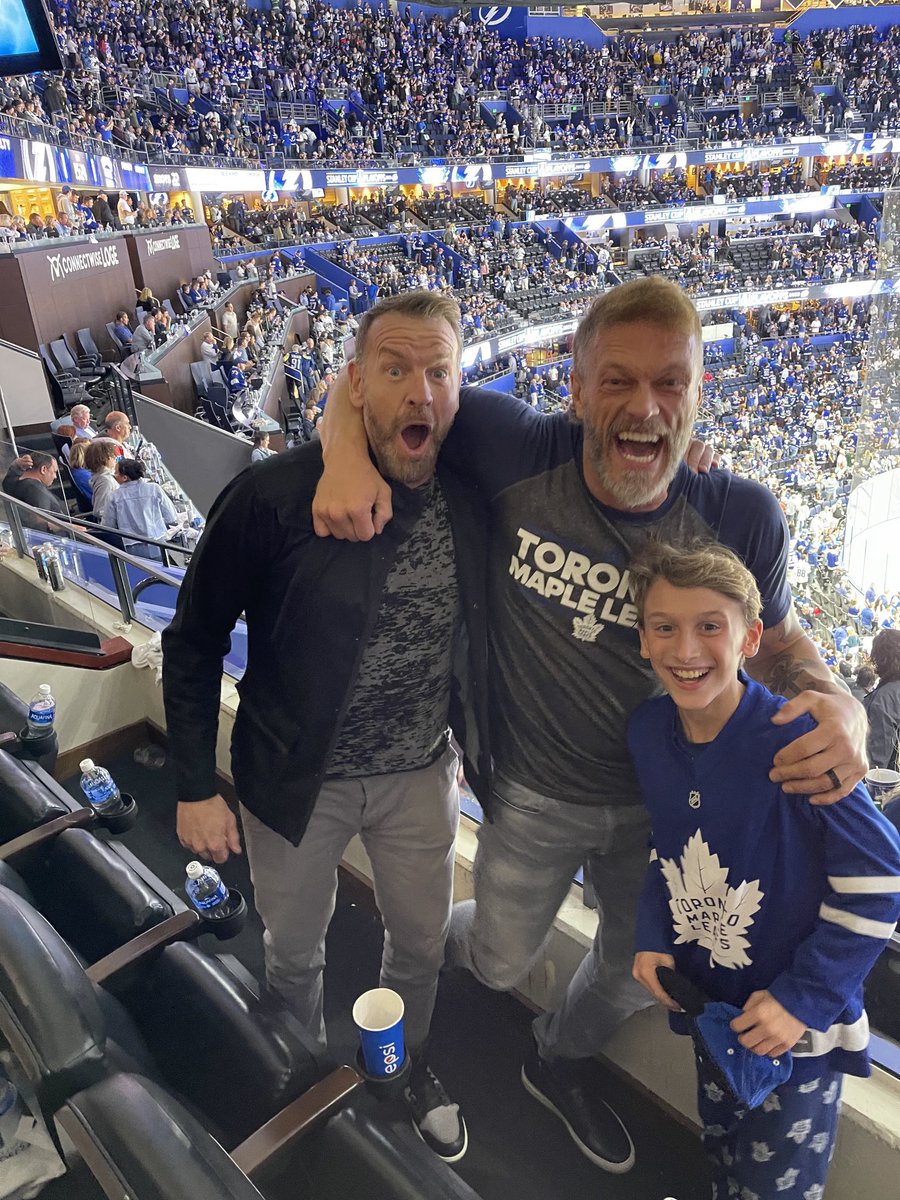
x=788, y=676
x=788, y=662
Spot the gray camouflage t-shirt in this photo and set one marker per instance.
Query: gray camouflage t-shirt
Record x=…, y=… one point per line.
x=397, y=718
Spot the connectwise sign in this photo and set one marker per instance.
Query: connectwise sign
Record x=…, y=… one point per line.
x=159, y=244
x=100, y=258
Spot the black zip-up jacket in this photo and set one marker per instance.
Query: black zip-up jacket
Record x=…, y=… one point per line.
x=310, y=605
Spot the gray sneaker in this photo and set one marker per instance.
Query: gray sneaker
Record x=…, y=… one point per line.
x=435, y=1118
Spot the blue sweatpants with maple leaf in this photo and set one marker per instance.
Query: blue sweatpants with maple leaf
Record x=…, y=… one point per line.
x=782, y=1147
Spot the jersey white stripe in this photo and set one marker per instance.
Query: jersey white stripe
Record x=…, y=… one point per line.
x=862, y=925
x=853, y=1037
x=875, y=885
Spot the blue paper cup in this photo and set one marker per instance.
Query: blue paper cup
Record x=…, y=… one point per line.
x=881, y=782
x=378, y=1016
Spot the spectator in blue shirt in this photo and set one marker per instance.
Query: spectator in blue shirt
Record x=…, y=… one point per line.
x=139, y=507
x=121, y=329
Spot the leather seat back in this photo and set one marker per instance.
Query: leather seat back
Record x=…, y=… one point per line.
x=357, y=1154
x=25, y=802
x=216, y=1042
x=90, y=895
x=49, y=1012
x=142, y=1140
x=13, y=882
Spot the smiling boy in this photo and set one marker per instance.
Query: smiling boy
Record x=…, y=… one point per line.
x=758, y=898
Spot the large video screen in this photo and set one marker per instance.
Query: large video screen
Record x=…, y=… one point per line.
x=27, y=42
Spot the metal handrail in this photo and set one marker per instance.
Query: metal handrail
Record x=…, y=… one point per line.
x=18, y=349
x=75, y=529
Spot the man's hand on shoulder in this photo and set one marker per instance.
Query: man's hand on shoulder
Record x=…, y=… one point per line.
x=700, y=457
x=208, y=828
x=828, y=762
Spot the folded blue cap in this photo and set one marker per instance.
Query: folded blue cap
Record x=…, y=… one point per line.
x=747, y=1076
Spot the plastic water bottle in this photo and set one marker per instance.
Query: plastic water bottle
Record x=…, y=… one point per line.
x=100, y=788
x=206, y=891
x=41, y=710
x=10, y=1119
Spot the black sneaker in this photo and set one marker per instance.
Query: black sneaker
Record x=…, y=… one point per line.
x=435, y=1118
x=572, y=1090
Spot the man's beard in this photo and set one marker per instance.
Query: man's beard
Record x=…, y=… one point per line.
x=637, y=488
x=394, y=465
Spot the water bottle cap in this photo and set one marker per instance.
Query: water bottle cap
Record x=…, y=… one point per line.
x=194, y=870
x=44, y=689
x=86, y=764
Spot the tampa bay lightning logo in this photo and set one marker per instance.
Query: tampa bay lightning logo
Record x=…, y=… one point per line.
x=491, y=17
x=473, y=175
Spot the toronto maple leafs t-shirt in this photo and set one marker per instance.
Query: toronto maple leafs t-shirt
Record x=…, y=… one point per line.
x=566, y=671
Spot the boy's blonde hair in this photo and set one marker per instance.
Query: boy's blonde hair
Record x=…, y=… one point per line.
x=700, y=565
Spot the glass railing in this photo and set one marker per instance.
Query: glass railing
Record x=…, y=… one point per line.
x=81, y=569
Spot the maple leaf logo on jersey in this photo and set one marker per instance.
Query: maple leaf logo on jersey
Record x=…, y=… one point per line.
x=585, y=629
x=705, y=909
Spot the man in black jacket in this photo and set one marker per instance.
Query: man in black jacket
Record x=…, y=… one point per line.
x=358, y=659
x=103, y=214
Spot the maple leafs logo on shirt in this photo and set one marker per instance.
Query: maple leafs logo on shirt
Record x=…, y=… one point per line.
x=705, y=909
x=585, y=629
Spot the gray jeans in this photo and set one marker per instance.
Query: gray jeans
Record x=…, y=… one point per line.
x=407, y=822
x=524, y=866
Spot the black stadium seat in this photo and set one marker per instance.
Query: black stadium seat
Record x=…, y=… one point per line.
x=25, y=800
x=87, y=346
x=123, y=350
x=75, y=1050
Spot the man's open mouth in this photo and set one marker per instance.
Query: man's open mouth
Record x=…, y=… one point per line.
x=415, y=436
x=639, y=447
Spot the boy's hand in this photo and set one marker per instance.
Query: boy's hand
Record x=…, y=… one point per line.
x=644, y=971
x=766, y=1027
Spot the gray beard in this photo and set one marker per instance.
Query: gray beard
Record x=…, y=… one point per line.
x=632, y=491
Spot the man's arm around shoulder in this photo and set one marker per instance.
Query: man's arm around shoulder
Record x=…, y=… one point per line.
x=830, y=760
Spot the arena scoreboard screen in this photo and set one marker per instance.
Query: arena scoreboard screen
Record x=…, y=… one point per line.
x=27, y=41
